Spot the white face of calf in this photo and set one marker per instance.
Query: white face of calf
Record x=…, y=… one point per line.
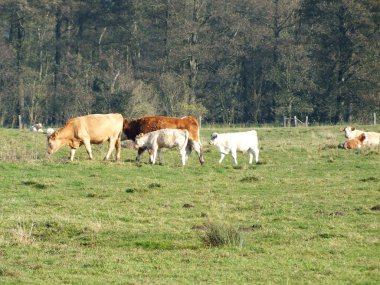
x=140, y=141
x=214, y=139
x=348, y=131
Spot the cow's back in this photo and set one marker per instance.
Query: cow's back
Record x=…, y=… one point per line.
x=243, y=140
x=97, y=127
x=372, y=138
x=154, y=123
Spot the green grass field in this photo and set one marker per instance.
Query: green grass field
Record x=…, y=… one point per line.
x=306, y=214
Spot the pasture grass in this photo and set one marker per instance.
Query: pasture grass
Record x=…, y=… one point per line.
x=308, y=213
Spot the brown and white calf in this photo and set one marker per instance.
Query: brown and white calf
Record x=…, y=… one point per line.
x=87, y=130
x=355, y=142
x=164, y=138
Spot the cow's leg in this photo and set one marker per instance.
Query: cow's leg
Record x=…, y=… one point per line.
x=118, y=147
x=188, y=150
x=183, y=156
x=139, y=152
x=72, y=153
x=233, y=153
x=250, y=151
x=222, y=155
x=111, y=147
x=160, y=157
x=257, y=155
x=198, y=149
x=87, y=144
x=154, y=155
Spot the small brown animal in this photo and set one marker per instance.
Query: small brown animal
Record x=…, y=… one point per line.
x=355, y=142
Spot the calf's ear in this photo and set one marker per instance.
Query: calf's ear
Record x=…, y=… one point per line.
x=352, y=129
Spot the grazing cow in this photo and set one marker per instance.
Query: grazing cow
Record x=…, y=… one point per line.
x=371, y=138
x=164, y=138
x=233, y=142
x=148, y=124
x=355, y=142
x=87, y=130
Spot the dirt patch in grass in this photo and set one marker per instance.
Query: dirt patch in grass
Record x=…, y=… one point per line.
x=252, y=228
x=249, y=179
x=35, y=185
x=154, y=185
x=370, y=179
x=376, y=208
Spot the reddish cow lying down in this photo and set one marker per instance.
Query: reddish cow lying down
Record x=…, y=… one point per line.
x=355, y=142
x=87, y=130
x=149, y=124
x=164, y=138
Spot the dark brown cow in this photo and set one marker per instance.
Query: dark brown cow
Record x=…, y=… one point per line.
x=145, y=125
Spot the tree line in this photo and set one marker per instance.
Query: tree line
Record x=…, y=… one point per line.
x=235, y=61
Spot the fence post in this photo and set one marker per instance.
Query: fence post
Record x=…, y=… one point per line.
x=19, y=122
x=374, y=118
x=295, y=121
x=307, y=121
x=200, y=121
x=284, y=122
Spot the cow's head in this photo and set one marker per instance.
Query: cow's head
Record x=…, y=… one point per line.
x=139, y=141
x=347, y=131
x=53, y=143
x=214, y=137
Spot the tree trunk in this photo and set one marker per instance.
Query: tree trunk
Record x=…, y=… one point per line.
x=57, y=66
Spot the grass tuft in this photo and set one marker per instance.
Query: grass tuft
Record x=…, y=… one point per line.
x=22, y=234
x=249, y=179
x=218, y=234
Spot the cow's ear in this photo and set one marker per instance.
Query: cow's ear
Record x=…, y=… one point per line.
x=352, y=129
x=214, y=136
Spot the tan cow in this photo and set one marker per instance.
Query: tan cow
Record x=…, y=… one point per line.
x=87, y=130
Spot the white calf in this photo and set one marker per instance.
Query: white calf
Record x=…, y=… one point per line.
x=351, y=133
x=233, y=142
x=164, y=138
